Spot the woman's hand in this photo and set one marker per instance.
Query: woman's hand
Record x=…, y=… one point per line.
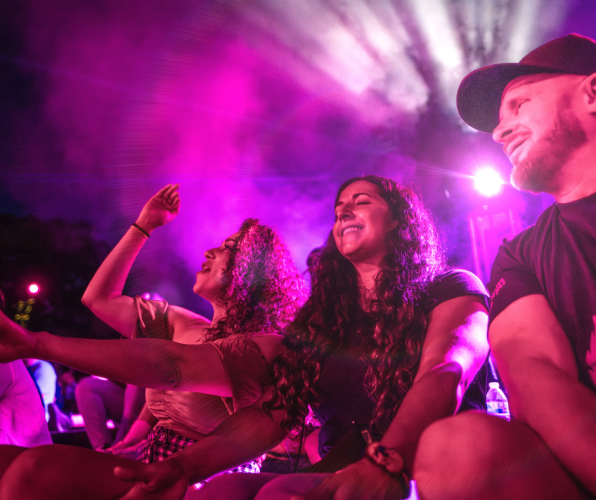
x=136, y=436
x=361, y=480
x=16, y=342
x=163, y=480
x=160, y=209
x=125, y=449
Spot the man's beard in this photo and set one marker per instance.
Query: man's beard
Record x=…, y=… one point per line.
x=539, y=170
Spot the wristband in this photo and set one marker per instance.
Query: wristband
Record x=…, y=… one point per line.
x=388, y=459
x=145, y=233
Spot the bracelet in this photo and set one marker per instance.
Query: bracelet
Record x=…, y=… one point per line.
x=145, y=233
x=385, y=458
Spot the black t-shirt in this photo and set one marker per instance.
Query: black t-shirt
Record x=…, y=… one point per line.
x=556, y=258
x=343, y=398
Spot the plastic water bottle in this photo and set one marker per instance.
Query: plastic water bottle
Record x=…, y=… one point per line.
x=496, y=402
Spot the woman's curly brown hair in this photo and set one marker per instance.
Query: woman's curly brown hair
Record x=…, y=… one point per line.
x=391, y=332
x=262, y=288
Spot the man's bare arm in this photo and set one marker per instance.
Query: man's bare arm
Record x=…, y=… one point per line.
x=538, y=367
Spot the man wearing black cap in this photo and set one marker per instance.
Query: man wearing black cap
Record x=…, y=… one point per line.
x=543, y=291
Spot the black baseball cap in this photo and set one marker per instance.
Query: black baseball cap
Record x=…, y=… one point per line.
x=479, y=94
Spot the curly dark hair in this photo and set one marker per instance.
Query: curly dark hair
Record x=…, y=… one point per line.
x=262, y=288
x=391, y=332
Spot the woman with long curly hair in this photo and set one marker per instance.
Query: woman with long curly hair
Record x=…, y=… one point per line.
x=384, y=318
x=255, y=290
x=250, y=281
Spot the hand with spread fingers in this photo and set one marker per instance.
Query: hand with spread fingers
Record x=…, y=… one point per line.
x=361, y=480
x=161, y=209
x=165, y=480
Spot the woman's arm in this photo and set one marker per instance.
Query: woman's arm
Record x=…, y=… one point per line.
x=242, y=437
x=104, y=293
x=154, y=363
x=136, y=435
x=454, y=349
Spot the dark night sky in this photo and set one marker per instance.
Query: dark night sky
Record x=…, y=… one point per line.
x=258, y=109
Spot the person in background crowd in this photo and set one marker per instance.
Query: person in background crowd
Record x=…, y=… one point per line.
x=22, y=421
x=255, y=290
x=44, y=376
x=100, y=400
x=543, y=290
x=67, y=384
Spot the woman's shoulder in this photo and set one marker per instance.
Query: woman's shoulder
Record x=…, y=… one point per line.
x=458, y=278
x=188, y=327
x=269, y=344
x=452, y=284
x=190, y=317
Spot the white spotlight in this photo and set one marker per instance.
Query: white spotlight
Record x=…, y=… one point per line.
x=488, y=182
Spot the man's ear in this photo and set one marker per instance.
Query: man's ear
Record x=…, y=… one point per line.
x=589, y=90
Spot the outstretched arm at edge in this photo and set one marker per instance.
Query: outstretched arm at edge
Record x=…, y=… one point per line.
x=154, y=363
x=538, y=367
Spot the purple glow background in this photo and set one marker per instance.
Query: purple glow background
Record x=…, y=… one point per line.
x=258, y=109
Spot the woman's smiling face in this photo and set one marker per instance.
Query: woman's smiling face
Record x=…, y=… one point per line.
x=362, y=221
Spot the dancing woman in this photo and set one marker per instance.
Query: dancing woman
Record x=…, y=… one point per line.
x=250, y=281
x=254, y=289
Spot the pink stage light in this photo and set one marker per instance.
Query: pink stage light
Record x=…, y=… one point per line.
x=33, y=288
x=488, y=182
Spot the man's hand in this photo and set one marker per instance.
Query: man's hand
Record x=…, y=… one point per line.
x=160, y=209
x=362, y=480
x=163, y=480
x=15, y=341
